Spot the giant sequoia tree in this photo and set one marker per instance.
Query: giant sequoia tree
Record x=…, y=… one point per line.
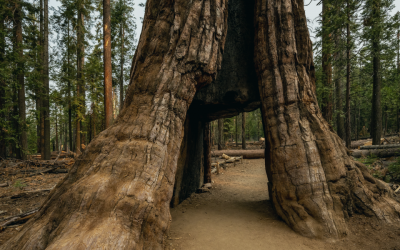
x=117, y=194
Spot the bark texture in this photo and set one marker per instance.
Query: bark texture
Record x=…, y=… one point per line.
x=118, y=191
x=315, y=185
x=107, y=63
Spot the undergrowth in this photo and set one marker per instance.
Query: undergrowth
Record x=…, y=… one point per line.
x=394, y=170
x=19, y=184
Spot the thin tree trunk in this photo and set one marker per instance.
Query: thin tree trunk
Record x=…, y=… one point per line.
x=121, y=86
x=79, y=91
x=220, y=134
x=348, y=72
x=123, y=202
x=236, y=130
x=339, y=108
x=57, y=148
x=243, y=130
x=315, y=185
x=376, y=112
x=23, y=142
x=326, y=65
x=69, y=94
x=207, y=153
x=46, y=88
x=41, y=91
x=108, y=106
x=3, y=153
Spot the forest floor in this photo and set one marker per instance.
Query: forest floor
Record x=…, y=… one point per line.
x=25, y=193
x=236, y=214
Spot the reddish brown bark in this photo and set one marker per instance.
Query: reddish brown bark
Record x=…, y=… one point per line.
x=315, y=185
x=108, y=111
x=119, y=190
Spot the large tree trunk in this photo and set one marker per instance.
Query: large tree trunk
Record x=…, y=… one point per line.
x=315, y=185
x=117, y=194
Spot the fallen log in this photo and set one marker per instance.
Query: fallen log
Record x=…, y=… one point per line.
x=18, y=219
x=381, y=153
x=30, y=193
x=381, y=146
x=247, y=154
x=356, y=144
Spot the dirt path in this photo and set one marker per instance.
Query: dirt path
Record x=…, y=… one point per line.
x=236, y=214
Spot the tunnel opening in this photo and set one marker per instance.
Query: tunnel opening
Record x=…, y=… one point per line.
x=235, y=90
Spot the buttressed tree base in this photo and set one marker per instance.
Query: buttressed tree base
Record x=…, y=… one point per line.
x=118, y=193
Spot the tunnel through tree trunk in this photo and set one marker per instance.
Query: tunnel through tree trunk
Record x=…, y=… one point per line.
x=314, y=184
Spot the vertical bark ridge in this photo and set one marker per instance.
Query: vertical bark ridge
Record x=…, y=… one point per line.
x=119, y=190
x=315, y=184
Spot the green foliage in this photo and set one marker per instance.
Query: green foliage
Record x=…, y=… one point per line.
x=394, y=170
x=19, y=184
x=368, y=160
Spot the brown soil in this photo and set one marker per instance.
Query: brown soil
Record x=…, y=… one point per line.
x=236, y=214
x=21, y=184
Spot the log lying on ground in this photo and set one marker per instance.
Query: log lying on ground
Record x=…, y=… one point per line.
x=359, y=143
x=18, y=219
x=380, y=146
x=381, y=153
x=247, y=154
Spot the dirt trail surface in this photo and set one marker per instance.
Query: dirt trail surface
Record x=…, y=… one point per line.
x=236, y=214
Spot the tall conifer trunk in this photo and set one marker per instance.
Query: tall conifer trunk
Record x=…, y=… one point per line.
x=376, y=112
x=243, y=130
x=2, y=89
x=23, y=141
x=327, y=105
x=108, y=106
x=220, y=134
x=80, y=81
x=46, y=87
x=348, y=72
